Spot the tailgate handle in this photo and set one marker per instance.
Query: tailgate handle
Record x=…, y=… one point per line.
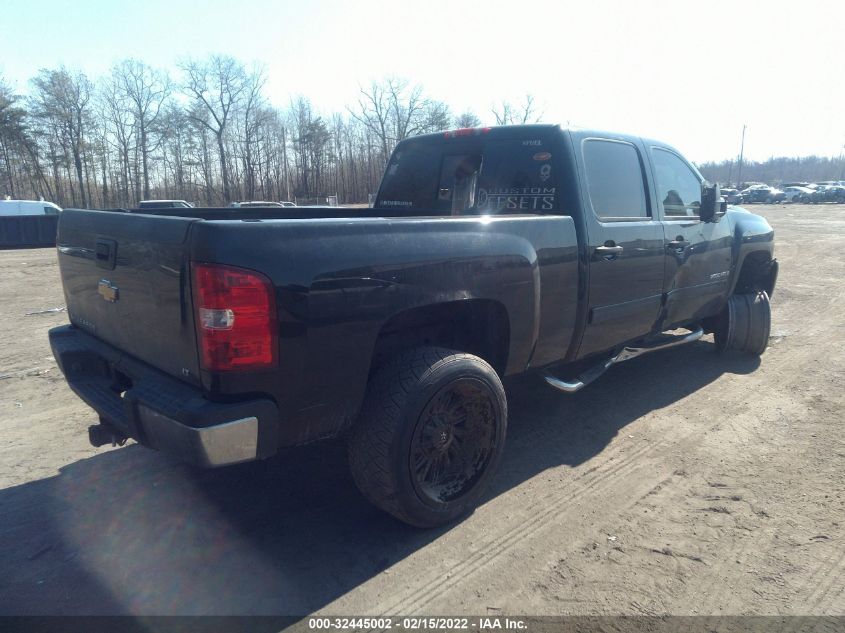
x=106, y=253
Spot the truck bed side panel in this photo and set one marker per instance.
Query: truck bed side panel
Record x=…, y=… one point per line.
x=338, y=281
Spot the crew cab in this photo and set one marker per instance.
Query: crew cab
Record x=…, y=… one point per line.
x=222, y=335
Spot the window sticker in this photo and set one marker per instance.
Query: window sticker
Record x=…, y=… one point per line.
x=542, y=156
x=545, y=172
x=517, y=199
x=532, y=142
x=397, y=203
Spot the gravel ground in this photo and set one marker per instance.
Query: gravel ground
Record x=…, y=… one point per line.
x=683, y=482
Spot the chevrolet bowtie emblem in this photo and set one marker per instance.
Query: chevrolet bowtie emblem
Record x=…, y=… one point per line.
x=108, y=290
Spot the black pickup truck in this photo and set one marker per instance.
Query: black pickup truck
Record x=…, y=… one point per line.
x=222, y=335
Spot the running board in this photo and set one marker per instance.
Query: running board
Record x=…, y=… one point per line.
x=664, y=341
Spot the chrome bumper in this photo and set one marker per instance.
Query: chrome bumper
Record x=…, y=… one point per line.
x=219, y=445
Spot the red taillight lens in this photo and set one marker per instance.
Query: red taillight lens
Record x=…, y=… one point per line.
x=236, y=318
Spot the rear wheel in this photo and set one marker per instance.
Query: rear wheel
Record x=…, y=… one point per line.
x=430, y=435
x=744, y=324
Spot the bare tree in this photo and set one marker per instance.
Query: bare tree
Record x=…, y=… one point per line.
x=147, y=91
x=254, y=115
x=12, y=132
x=509, y=114
x=61, y=99
x=177, y=150
x=217, y=85
x=311, y=145
x=467, y=119
x=21, y=167
x=407, y=106
x=435, y=117
x=116, y=111
x=393, y=110
x=374, y=113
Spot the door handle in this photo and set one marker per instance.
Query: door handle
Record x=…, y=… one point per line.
x=678, y=244
x=609, y=252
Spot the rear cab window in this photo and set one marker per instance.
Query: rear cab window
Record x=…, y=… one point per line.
x=615, y=180
x=475, y=175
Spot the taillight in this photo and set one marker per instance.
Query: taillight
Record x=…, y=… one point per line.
x=236, y=318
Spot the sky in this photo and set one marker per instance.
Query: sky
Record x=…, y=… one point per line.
x=688, y=73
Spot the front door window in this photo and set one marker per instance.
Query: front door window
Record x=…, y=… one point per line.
x=678, y=188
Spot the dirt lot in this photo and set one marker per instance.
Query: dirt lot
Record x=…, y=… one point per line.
x=683, y=482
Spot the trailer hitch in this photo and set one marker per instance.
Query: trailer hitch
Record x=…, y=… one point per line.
x=102, y=434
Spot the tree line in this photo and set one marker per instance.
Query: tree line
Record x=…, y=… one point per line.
x=775, y=170
x=208, y=135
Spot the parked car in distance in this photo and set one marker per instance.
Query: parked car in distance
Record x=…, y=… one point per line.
x=797, y=194
x=252, y=204
x=775, y=196
x=732, y=196
x=9, y=208
x=817, y=194
x=287, y=203
x=827, y=193
x=164, y=204
x=753, y=186
x=834, y=193
x=763, y=193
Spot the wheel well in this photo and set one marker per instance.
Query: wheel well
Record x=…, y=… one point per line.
x=475, y=326
x=755, y=274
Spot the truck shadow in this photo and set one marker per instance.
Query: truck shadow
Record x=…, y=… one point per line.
x=130, y=531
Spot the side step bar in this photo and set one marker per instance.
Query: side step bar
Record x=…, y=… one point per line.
x=664, y=341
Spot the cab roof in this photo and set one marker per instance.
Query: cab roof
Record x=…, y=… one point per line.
x=506, y=132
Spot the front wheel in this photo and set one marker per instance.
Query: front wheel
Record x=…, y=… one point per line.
x=744, y=324
x=430, y=435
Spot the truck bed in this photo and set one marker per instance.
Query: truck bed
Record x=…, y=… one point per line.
x=340, y=284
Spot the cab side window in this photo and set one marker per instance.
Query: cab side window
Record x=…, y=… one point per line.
x=614, y=180
x=678, y=188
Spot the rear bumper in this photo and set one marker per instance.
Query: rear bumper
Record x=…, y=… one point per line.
x=135, y=400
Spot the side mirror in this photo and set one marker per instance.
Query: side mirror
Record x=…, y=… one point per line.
x=710, y=202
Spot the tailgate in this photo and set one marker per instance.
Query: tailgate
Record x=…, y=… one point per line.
x=127, y=282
